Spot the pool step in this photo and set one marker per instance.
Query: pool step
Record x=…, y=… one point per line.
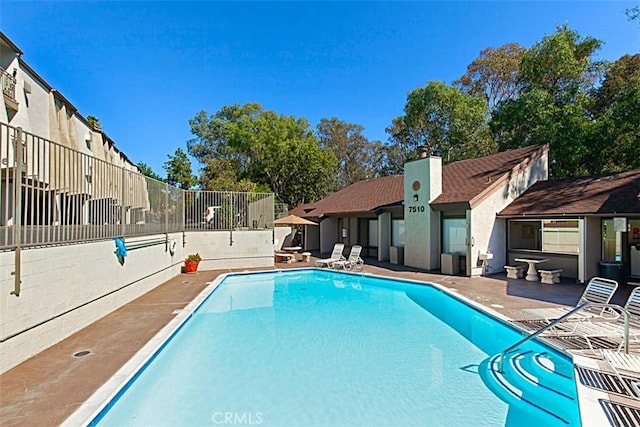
x=534, y=381
x=552, y=372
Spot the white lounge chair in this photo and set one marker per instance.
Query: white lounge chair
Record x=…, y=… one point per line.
x=598, y=290
x=619, y=361
x=607, y=327
x=353, y=262
x=336, y=255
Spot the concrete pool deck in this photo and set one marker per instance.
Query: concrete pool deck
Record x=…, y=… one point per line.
x=49, y=387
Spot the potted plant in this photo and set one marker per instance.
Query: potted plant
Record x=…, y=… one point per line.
x=191, y=263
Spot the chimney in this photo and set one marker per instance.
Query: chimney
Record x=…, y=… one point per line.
x=422, y=152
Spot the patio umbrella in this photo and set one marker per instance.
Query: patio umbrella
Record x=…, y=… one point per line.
x=293, y=220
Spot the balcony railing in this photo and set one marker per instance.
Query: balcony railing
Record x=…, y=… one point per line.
x=51, y=194
x=8, y=85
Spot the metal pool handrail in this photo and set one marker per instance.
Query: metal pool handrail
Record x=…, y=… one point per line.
x=623, y=310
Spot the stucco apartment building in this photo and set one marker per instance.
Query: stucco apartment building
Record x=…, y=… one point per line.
x=37, y=114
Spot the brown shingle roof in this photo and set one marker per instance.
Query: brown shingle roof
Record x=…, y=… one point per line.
x=362, y=196
x=463, y=181
x=595, y=195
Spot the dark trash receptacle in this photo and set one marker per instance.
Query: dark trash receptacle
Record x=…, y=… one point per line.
x=610, y=270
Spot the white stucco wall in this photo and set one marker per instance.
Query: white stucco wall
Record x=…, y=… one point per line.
x=66, y=288
x=33, y=108
x=353, y=231
x=422, y=224
x=328, y=234
x=82, y=133
x=487, y=232
x=312, y=238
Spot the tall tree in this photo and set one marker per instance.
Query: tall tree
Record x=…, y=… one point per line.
x=178, y=167
x=402, y=147
x=221, y=175
x=561, y=64
x=444, y=120
x=633, y=13
x=494, y=74
x=557, y=75
x=353, y=150
x=146, y=170
x=265, y=148
x=617, y=113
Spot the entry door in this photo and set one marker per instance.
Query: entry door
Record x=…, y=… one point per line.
x=373, y=238
x=455, y=238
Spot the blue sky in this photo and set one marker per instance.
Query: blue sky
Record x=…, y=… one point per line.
x=145, y=68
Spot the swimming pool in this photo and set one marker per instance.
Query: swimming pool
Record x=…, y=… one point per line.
x=316, y=347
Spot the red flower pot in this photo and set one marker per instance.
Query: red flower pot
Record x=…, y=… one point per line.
x=191, y=266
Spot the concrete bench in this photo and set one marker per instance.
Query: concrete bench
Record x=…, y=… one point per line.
x=550, y=276
x=514, y=271
x=285, y=257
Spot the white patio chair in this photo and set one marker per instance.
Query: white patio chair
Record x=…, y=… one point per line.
x=336, y=255
x=353, y=262
x=630, y=363
x=598, y=290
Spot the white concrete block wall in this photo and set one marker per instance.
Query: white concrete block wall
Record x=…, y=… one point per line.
x=221, y=250
x=66, y=288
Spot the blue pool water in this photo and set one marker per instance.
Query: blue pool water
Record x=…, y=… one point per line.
x=320, y=348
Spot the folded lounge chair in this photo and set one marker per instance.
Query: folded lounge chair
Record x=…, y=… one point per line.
x=336, y=255
x=618, y=362
x=353, y=262
x=598, y=290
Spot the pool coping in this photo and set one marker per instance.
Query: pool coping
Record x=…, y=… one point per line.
x=98, y=401
x=90, y=409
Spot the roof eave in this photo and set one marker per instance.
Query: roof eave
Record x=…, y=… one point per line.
x=565, y=214
x=451, y=206
x=504, y=178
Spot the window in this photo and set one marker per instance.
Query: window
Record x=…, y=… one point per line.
x=525, y=235
x=373, y=233
x=454, y=236
x=560, y=236
x=549, y=235
x=397, y=232
x=611, y=242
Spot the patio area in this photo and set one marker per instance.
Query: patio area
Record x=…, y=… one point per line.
x=49, y=387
